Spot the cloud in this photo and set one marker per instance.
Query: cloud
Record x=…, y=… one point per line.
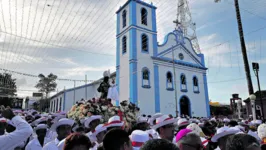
x=81, y=71
x=21, y=82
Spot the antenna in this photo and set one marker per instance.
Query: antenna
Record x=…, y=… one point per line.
x=184, y=21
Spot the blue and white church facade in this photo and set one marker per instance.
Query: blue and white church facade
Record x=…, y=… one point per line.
x=156, y=77
x=151, y=74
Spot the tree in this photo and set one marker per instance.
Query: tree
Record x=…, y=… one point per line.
x=243, y=48
x=47, y=84
x=8, y=89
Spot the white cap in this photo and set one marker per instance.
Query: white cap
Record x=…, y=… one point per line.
x=141, y=119
x=182, y=122
x=138, y=138
x=100, y=128
x=114, y=122
x=223, y=131
x=90, y=119
x=262, y=131
x=63, y=121
x=163, y=120
x=40, y=126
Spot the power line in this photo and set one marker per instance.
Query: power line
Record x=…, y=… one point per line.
x=36, y=76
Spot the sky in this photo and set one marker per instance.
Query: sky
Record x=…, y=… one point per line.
x=74, y=38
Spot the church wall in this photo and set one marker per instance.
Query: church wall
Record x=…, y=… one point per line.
x=124, y=70
x=169, y=41
x=187, y=57
x=53, y=103
x=167, y=98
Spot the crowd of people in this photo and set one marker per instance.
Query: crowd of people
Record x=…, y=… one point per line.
x=31, y=130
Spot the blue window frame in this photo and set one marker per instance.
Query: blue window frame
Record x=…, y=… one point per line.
x=124, y=18
x=169, y=81
x=124, y=45
x=146, y=78
x=183, y=83
x=195, y=84
x=144, y=43
x=144, y=15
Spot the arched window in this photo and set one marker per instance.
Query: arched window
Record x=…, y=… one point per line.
x=195, y=85
x=144, y=15
x=124, y=44
x=124, y=18
x=169, y=81
x=145, y=78
x=183, y=84
x=144, y=43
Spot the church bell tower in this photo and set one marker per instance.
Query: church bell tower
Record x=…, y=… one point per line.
x=136, y=42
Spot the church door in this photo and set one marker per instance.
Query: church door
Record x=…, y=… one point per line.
x=184, y=106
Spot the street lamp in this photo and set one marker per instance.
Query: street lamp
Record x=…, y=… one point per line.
x=252, y=98
x=239, y=102
x=256, y=68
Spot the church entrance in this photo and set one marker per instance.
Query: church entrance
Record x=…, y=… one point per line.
x=184, y=106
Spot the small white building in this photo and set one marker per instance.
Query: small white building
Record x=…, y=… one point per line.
x=64, y=100
x=145, y=69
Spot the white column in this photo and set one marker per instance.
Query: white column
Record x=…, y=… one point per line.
x=252, y=98
x=253, y=109
x=239, y=108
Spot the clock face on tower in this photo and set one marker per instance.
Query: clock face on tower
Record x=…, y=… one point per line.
x=181, y=56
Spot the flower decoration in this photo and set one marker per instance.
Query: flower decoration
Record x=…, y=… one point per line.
x=128, y=112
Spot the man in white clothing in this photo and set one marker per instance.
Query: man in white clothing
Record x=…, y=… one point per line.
x=38, y=142
x=63, y=128
x=23, y=131
x=98, y=133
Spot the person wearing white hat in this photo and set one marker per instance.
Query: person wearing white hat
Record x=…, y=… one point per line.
x=3, y=125
x=14, y=139
x=114, y=122
x=226, y=121
x=152, y=120
x=222, y=135
x=98, y=133
x=197, y=130
x=63, y=128
x=182, y=123
x=165, y=127
x=38, y=142
x=262, y=135
x=142, y=123
x=138, y=138
x=92, y=122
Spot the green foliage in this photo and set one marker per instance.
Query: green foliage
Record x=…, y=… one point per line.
x=47, y=84
x=221, y=110
x=8, y=89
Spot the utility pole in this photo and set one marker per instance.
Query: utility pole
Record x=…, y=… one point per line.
x=86, y=94
x=243, y=48
x=176, y=104
x=74, y=95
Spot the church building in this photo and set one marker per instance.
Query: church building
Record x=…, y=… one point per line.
x=165, y=77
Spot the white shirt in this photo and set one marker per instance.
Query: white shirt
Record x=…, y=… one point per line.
x=91, y=137
x=95, y=146
x=51, y=145
x=13, y=139
x=35, y=144
x=61, y=144
x=51, y=134
x=254, y=134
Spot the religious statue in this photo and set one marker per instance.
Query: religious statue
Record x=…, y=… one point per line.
x=104, y=86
